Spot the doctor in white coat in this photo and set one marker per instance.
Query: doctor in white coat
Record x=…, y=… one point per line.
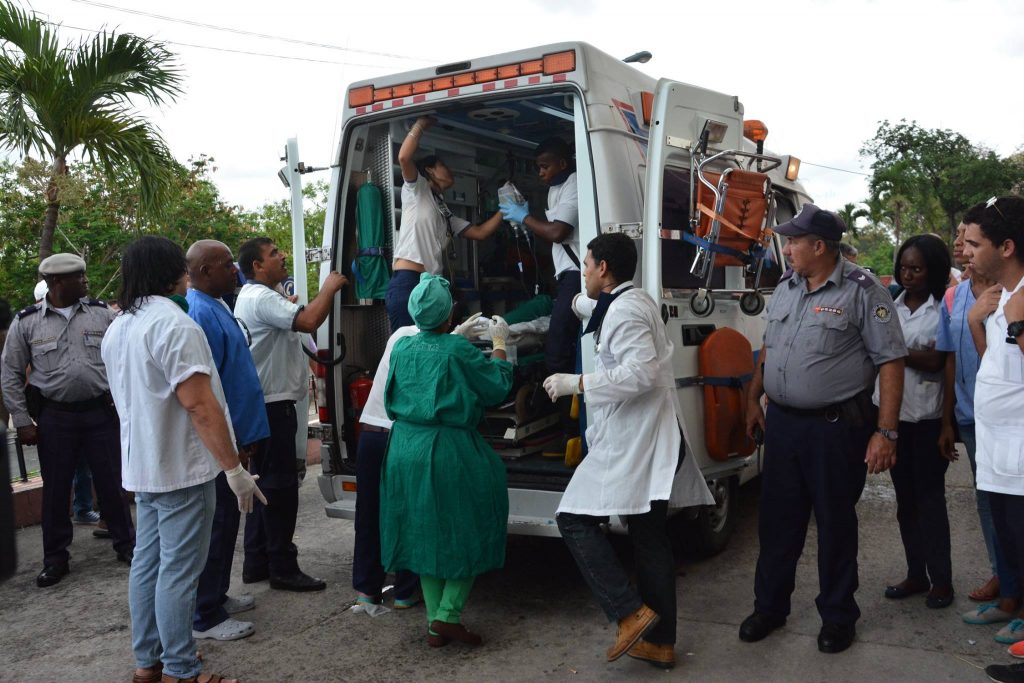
x=635, y=454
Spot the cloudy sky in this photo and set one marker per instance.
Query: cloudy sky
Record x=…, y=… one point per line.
x=820, y=73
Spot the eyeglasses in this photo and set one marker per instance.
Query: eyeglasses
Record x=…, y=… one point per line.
x=991, y=204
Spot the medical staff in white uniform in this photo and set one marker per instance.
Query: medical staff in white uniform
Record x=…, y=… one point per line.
x=631, y=391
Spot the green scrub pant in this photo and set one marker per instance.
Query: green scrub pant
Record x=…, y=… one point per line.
x=445, y=598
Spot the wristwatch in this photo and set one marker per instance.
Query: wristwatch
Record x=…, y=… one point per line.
x=890, y=434
x=1014, y=330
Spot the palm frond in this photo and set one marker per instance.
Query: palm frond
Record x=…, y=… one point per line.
x=114, y=67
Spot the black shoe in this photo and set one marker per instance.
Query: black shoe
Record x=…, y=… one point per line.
x=297, y=582
x=758, y=625
x=52, y=574
x=126, y=556
x=939, y=598
x=1005, y=673
x=905, y=589
x=255, y=575
x=836, y=637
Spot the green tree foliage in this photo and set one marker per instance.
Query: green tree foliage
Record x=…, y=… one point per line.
x=58, y=100
x=924, y=179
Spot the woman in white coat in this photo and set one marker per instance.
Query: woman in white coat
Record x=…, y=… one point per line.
x=630, y=393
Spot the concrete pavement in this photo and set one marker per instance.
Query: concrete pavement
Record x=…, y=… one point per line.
x=537, y=617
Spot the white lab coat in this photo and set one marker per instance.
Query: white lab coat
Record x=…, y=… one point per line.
x=634, y=435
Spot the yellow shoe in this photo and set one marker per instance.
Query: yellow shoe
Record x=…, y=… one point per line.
x=632, y=629
x=661, y=656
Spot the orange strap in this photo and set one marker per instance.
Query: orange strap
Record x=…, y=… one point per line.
x=763, y=238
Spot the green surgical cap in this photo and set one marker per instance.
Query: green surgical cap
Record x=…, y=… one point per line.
x=430, y=303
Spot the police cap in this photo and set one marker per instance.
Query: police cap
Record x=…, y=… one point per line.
x=61, y=264
x=814, y=221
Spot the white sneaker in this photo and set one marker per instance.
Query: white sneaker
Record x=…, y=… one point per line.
x=243, y=603
x=229, y=629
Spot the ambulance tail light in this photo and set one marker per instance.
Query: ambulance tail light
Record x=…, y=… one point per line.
x=348, y=486
x=647, y=106
x=320, y=377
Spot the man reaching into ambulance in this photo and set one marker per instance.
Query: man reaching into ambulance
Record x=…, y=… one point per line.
x=630, y=392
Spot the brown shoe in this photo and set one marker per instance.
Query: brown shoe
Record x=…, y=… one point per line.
x=661, y=656
x=455, y=632
x=631, y=629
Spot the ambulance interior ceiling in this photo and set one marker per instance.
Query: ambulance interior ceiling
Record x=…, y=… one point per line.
x=517, y=123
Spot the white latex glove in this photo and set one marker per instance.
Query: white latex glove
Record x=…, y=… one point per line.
x=243, y=485
x=465, y=328
x=499, y=331
x=561, y=384
x=583, y=306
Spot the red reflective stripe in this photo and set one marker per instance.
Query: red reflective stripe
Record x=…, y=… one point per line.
x=512, y=82
x=361, y=110
x=419, y=98
x=489, y=86
x=452, y=92
x=397, y=103
x=379, y=106
x=558, y=78
x=534, y=80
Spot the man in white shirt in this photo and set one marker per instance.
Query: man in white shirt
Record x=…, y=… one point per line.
x=994, y=247
x=175, y=439
x=274, y=324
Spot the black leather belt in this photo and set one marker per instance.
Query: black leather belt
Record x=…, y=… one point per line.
x=830, y=413
x=372, y=428
x=104, y=400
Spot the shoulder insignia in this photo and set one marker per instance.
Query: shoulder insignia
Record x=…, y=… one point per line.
x=882, y=313
x=96, y=302
x=27, y=311
x=788, y=274
x=861, y=278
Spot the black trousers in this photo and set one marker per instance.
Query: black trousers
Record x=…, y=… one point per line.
x=269, y=528
x=601, y=569
x=919, y=478
x=564, y=330
x=216, y=577
x=810, y=464
x=1007, y=513
x=367, y=572
x=64, y=437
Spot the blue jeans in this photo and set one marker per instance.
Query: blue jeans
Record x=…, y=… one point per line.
x=1009, y=586
x=172, y=542
x=82, y=502
x=397, y=298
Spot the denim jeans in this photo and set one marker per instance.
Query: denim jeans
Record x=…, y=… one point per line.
x=1009, y=586
x=655, y=570
x=397, y=298
x=172, y=542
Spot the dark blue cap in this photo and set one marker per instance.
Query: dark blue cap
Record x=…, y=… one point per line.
x=814, y=221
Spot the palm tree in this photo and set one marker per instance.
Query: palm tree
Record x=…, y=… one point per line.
x=57, y=100
x=850, y=215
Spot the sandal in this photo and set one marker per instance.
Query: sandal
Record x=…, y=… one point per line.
x=152, y=674
x=201, y=678
x=987, y=592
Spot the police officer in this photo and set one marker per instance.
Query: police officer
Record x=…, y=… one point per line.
x=66, y=406
x=831, y=329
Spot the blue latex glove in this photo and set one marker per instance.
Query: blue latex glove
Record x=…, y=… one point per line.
x=514, y=213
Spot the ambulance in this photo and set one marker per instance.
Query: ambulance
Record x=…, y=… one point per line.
x=676, y=167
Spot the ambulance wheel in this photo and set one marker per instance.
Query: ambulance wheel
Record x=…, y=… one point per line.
x=709, y=532
x=702, y=304
x=752, y=303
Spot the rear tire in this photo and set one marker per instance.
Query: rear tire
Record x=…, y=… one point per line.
x=709, y=533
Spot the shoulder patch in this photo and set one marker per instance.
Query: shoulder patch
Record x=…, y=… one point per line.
x=882, y=313
x=96, y=302
x=861, y=278
x=788, y=274
x=27, y=311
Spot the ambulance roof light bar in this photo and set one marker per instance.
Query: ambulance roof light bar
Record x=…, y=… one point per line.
x=548, y=65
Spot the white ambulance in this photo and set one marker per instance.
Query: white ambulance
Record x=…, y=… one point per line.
x=673, y=166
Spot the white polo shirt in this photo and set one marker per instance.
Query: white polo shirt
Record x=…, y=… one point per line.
x=563, y=205
x=373, y=412
x=423, y=233
x=999, y=408
x=147, y=354
x=922, y=391
x=276, y=348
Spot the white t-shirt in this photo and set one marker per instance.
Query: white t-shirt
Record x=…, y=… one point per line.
x=276, y=348
x=147, y=354
x=563, y=205
x=999, y=408
x=373, y=412
x=423, y=235
x=922, y=391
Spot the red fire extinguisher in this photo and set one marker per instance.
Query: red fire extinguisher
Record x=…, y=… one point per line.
x=358, y=394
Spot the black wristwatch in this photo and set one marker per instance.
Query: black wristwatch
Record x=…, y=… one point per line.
x=1014, y=330
x=890, y=434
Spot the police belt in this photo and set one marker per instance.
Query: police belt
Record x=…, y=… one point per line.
x=104, y=400
x=854, y=410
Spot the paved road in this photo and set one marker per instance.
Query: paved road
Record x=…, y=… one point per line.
x=539, y=620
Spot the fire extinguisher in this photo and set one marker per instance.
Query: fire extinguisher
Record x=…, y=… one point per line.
x=358, y=394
